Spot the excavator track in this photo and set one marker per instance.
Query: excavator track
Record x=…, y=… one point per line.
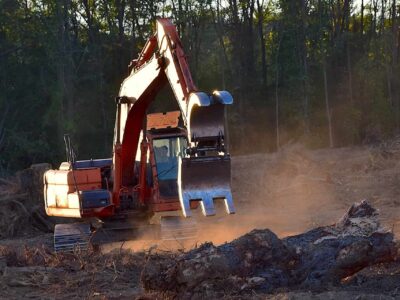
x=68, y=237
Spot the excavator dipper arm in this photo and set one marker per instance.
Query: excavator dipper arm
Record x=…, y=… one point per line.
x=204, y=171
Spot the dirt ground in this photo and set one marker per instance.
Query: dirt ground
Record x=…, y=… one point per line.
x=288, y=192
x=297, y=189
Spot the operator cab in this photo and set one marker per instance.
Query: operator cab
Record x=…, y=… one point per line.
x=168, y=142
x=166, y=154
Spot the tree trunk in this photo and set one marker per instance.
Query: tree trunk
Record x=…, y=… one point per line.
x=89, y=19
x=362, y=17
x=64, y=66
x=132, y=5
x=328, y=110
x=121, y=14
x=262, y=41
x=382, y=19
x=389, y=84
x=219, y=30
x=248, y=58
x=278, y=142
x=350, y=81
x=394, y=65
x=349, y=71
x=375, y=8
x=120, y=6
x=107, y=16
x=236, y=39
x=305, y=68
x=3, y=124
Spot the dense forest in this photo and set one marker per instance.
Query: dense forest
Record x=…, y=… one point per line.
x=321, y=72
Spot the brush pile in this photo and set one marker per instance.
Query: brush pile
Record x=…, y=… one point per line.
x=260, y=261
x=39, y=273
x=21, y=200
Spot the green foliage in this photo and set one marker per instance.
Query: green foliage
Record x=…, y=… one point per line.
x=61, y=64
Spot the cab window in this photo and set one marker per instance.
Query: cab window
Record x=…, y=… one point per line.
x=166, y=152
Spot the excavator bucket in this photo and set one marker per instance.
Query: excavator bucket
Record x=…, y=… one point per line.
x=205, y=179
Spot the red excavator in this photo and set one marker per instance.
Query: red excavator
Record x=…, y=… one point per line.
x=164, y=165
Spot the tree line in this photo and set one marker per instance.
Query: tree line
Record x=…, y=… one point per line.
x=321, y=72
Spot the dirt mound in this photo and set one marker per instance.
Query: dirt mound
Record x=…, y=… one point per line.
x=260, y=261
x=229, y=266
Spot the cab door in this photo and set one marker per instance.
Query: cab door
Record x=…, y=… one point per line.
x=166, y=156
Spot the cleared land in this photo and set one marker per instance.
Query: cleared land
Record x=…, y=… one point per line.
x=289, y=193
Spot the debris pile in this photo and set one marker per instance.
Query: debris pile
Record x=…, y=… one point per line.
x=355, y=252
x=37, y=272
x=21, y=199
x=260, y=261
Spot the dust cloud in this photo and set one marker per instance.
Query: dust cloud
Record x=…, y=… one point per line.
x=287, y=192
x=297, y=189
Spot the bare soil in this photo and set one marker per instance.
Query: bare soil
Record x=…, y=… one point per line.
x=289, y=192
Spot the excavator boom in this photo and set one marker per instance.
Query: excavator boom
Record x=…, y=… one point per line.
x=204, y=170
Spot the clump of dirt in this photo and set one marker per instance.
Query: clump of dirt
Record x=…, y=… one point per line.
x=259, y=261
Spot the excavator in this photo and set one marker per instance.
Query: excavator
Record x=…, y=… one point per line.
x=165, y=166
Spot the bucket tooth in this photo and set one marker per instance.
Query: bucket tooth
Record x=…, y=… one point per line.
x=207, y=205
x=184, y=199
x=230, y=209
x=186, y=209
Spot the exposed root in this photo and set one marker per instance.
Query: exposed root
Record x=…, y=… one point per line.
x=262, y=262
